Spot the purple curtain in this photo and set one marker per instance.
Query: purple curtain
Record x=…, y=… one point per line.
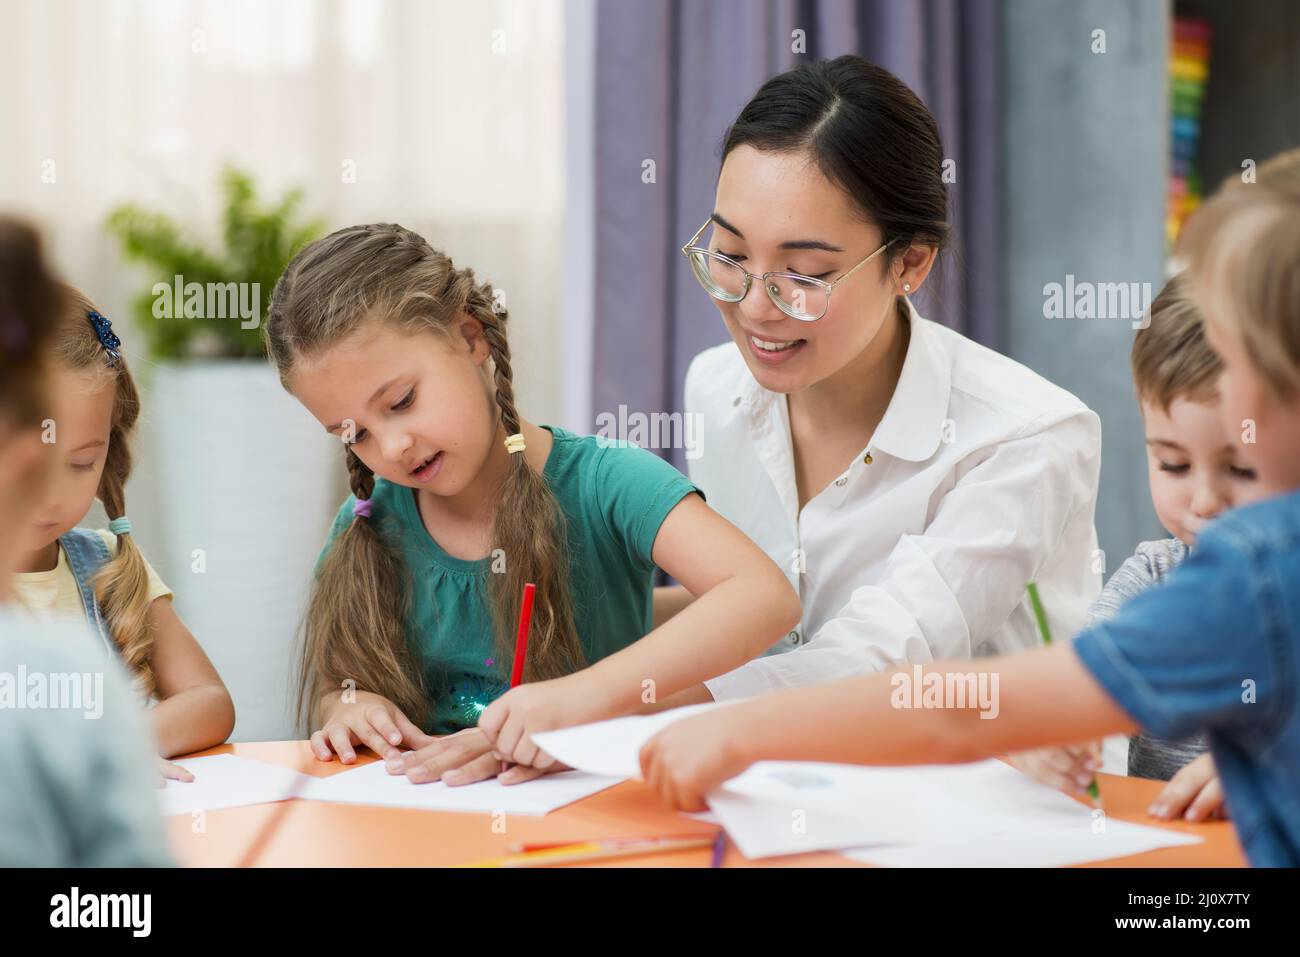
x=670, y=77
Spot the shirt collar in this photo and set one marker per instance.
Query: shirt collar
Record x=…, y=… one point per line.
x=912, y=426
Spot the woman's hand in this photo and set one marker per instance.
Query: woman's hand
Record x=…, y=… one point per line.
x=1194, y=793
x=688, y=759
x=169, y=771
x=510, y=722
x=371, y=720
x=1069, y=769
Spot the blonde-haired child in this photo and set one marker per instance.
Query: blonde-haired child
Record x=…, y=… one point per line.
x=101, y=574
x=458, y=501
x=1216, y=648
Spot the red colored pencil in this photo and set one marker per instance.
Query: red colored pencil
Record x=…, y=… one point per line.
x=521, y=639
x=521, y=644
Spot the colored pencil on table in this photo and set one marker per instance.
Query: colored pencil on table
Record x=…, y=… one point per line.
x=596, y=850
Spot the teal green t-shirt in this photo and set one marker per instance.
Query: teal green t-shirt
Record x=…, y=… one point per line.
x=614, y=497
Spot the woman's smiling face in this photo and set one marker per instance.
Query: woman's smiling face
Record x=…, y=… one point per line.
x=776, y=211
x=418, y=404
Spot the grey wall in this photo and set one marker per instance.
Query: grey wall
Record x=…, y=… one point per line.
x=1085, y=152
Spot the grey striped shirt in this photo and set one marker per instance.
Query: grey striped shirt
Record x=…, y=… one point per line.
x=1148, y=756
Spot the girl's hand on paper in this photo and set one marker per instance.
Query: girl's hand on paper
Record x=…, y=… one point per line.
x=371, y=720
x=688, y=759
x=510, y=722
x=461, y=758
x=1194, y=793
x=168, y=770
x=1069, y=769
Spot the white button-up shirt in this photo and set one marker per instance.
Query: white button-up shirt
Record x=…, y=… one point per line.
x=981, y=477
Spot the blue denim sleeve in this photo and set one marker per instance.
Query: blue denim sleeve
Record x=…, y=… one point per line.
x=1195, y=653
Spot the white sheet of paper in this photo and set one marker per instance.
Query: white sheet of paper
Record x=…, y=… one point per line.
x=614, y=746
x=983, y=813
x=372, y=784
x=1026, y=845
x=227, y=780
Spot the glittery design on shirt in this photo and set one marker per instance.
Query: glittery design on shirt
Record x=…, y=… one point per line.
x=472, y=694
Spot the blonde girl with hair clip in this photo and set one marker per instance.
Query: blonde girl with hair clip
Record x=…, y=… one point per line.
x=458, y=501
x=102, y=575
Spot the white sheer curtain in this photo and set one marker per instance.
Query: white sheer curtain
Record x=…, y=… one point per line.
x=451, y=114
x=448, y=117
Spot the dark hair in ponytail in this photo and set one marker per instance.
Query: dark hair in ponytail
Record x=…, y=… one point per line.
x=868, y=133
x=355, y=627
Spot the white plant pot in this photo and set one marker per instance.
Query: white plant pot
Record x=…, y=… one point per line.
x=247, y=484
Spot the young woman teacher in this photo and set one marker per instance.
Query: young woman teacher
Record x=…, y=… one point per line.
x=909, y=480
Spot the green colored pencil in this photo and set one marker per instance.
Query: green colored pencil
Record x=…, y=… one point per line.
x=1040, y=616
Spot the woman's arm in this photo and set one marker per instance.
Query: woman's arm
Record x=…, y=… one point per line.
x=865, y=721
x=194, y=709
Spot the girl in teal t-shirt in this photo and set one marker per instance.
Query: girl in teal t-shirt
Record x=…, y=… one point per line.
x=458, y=501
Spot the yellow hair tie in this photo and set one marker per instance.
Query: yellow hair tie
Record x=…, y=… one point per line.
x=515, y=443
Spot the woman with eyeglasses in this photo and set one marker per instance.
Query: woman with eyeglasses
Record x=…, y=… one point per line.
x=909, y=481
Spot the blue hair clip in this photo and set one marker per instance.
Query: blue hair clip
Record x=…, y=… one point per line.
x=104, y=330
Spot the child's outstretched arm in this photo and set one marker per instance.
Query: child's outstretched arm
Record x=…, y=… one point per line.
x=194, y=709
x=1041, y=697
x=743, y=605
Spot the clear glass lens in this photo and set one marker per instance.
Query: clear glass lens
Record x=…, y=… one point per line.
x=797, y=296
x=720, y=278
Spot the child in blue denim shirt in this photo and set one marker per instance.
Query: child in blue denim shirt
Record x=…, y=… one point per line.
x=1216, y=648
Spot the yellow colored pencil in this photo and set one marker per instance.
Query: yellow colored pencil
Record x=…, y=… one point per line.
x=595, y=850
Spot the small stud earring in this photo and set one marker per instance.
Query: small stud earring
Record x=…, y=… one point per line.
x=907, y=287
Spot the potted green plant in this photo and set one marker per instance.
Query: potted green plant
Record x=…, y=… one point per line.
x=247, y=480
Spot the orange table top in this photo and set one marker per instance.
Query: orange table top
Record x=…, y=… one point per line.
x=319, y=834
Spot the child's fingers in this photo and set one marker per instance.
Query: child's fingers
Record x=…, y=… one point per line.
x=1068, y=768
x=1086, y=757
x=519, y=773
x=320, y=746
x=340, y=739
x=490, y=721
x=526, y=752
x=412, y=736
x=434, y=761
x=1182, y=789
x=175, y=772
x=1062, y=782
x=508, y=737
x=1173, y=800
x=365, y=733
x=383, y=724
x=1209, y=800
x=480, y=769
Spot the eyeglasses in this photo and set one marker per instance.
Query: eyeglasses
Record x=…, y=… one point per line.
x=801, y=297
